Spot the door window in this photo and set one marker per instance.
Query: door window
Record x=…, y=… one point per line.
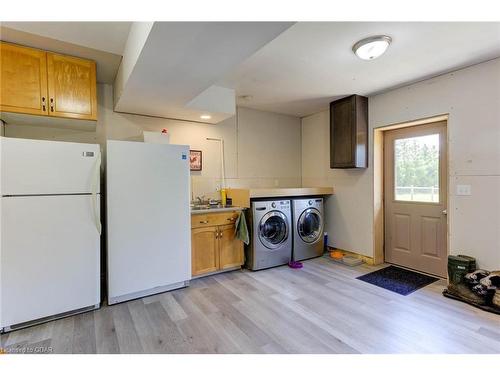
x=416, y=169
x=273, y=229
x=309, y=225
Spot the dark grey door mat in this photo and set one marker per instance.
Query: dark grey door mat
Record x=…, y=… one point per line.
x=398, y=280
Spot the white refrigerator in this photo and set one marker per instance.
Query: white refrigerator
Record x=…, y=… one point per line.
x=148, y=219
x=49, y=230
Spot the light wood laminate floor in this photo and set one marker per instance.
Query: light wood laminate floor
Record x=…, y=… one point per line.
x=321, y=308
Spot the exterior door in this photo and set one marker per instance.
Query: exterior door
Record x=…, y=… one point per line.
x=23, y=80
x=72, y=87
x=415, y=190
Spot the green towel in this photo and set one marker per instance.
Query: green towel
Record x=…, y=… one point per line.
x=241, y=229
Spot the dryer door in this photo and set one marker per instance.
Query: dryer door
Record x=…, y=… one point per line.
x=273, y=229
x=310, y=225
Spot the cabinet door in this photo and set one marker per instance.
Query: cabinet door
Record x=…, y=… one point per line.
x=23, y=76
x=230, y=248
x=204, y=250
x=349, y=132
x=342, y=128
x=72, y=87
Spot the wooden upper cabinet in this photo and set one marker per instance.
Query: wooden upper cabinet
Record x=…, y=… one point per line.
x=23, y=76
x=36, y=82
x=349, y=132
x=72, y=87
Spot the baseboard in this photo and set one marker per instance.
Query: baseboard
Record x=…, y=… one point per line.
x=368, y=260
x=49, y=318
x=144, y=293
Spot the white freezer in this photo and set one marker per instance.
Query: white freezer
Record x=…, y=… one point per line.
x=33, y=167
x=148, y=219
x=49, y=257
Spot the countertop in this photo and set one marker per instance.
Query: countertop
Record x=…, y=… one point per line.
x=289, y=192
x=215, y=210
x=242, y=197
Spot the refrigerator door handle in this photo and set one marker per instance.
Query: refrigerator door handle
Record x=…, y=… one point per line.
x=94, y=187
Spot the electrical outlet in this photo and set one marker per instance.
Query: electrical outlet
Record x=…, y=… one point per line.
x=464, y=190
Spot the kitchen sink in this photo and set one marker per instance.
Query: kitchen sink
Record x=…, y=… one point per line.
x=203, y=207
x=208, y=207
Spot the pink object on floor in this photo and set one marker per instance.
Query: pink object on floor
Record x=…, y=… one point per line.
x=294, y=264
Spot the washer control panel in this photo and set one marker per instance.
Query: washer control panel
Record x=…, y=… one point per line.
x=313, y=202
x=283, y=205
x=273, y=205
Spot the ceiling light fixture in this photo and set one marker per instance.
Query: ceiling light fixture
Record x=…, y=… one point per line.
x=372, y=47
x=205, y=117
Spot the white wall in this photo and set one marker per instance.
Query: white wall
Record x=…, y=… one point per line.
x=262, y=149
x=137, y=36
x=471, y=97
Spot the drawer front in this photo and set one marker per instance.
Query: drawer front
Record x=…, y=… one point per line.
x=207, y=220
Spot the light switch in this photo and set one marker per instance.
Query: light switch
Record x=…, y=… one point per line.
x=463, y=190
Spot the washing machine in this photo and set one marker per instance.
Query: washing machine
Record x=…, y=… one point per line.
x=271, y=234
x=308, y=224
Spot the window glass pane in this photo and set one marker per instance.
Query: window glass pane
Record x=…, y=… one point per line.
x=416, y=169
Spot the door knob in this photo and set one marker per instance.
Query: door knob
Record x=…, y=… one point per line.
x=444, y=212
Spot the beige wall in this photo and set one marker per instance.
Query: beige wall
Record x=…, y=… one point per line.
x=255, y=142
x=348, y=222
x=471, y=97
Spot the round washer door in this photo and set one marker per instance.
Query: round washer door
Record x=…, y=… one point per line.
x=273, y=229
x=310, y=225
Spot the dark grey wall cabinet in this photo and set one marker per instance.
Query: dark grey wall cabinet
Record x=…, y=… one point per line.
x=349, y=132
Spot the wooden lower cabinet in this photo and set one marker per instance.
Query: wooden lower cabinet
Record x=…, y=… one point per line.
x=215, y=248
x=204, y=250
x=230, y=248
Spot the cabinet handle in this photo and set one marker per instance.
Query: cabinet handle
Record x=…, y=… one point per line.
x=204, y=222
x=220, y=234
x=51, y=104
x=216, y=234
x=43, y=103
x=230, y=219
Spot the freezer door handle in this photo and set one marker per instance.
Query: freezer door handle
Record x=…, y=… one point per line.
x=94, y=187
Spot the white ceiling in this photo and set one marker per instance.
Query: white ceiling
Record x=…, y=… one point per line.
x=103, y=36
x=180, y=60
x=289, y=68
x=308, y=65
